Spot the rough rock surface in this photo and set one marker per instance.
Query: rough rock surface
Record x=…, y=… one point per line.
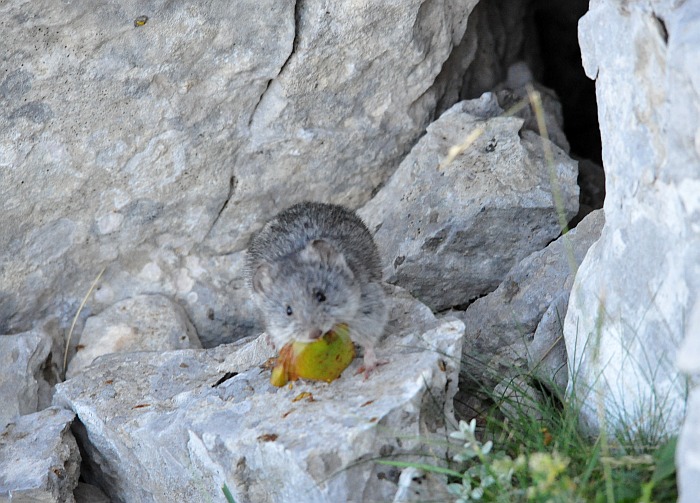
x=449, y=232
x=176, y=427
x=516, y=89
x=419, y=486
x=39, y=458
x=504, y=330
x=23, y=358
x=144, y=323
x=688, y=452
x=157, y=149
x=498, y=35
x=546, y=351
x=633, y=293
x=516, y=398
x=688, y=448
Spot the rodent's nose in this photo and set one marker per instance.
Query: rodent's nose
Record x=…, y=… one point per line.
x=315, y=333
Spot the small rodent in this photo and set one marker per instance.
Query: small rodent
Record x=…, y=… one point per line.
x=315, y=265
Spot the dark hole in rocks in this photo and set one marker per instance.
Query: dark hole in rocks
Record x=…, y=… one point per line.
x=556, y=25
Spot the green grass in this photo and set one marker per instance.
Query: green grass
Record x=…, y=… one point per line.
x=227, y=494
x=541, y=455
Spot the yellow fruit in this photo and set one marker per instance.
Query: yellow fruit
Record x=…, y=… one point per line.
x=279, y=376
x=321, y=360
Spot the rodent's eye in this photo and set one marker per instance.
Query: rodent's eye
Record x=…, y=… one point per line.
x=320, y=296
x=289, y=310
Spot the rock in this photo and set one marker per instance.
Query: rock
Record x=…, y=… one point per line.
x=688, y=447
x=688, y=355
x=546, y=352
x=449, y=233
x=39, y=458
x=150, y=104
x=216, y=419
x=195, y=127
x=418, y=486
x=516, y=90
x=633, y=292
x=517, y=398
x=212, y=291
x=504, y=331
x=688, y=452
x=23, y=385
x=143, y=323
x=498, y=35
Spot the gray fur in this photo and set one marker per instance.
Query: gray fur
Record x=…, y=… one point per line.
x=314, y=248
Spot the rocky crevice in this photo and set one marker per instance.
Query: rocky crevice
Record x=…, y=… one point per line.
x=295, y=42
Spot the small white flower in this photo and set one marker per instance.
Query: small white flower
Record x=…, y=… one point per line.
x=477, y=493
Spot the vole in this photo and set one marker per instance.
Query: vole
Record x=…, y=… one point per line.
x=313, y=266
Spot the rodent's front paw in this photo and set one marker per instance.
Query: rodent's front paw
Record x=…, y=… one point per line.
x=370, y=362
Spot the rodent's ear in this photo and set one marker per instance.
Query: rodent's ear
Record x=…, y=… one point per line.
x=320, y=250
x=262, y=279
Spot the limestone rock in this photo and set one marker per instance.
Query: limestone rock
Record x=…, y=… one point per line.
x=23, y=358
x=634, y=290
x=688, y=452
x=502, y=329
x=159, y=109
x=215, y=419
x=418, y=486
x=688, y=356
x=498, y=35
x=517, y=398
x=449, y=233
x=688, y=447
x=546, y=352
x=157, y=149
x=516, y=89
x=211, y=289
x=142, y=323
x=39, y=458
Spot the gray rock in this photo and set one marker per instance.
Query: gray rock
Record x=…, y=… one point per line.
x=517, y=398
x=152, y=169
x=497, y=36
x=23, y=359
x=39, y=458
x=143, y=323
x=502, y=329
x=450, y=232
x=688, y=447
x=688, y=452
x=634, y=290
x=516, y=89
x=546, y=352
x=212, y=291
x=418, y=486
x=688, y=355
x=175, y=427
x=194, y=128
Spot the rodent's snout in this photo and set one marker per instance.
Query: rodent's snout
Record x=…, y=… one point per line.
x=315, y=333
